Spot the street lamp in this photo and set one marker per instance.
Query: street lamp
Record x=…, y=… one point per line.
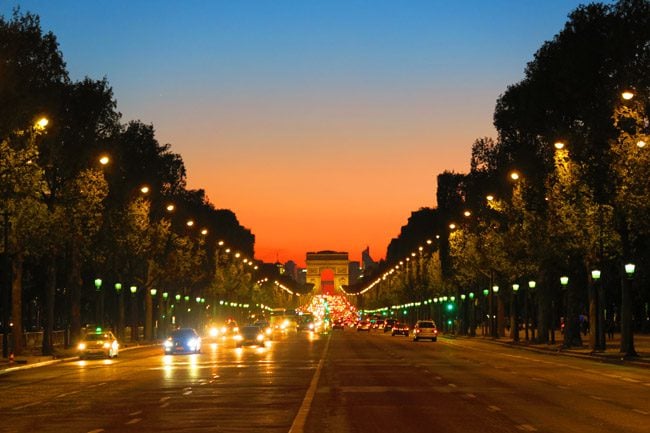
x=514, y=321
x=120, y=311
x=629, y=270
x=99, y=319
x=134, y=313
x=495, y=309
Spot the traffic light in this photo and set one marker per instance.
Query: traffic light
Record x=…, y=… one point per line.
x=450, y=306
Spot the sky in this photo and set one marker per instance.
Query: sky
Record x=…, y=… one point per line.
x=321, y=124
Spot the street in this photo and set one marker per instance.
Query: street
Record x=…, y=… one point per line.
x=345, y=381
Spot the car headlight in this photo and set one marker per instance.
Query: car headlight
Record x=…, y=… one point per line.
x=237, y=337
x=193, y=343
x=311, y=326
x=214, y=332
x=260, y=337
x=82, y=346
x=168, y=344
x=106, y=345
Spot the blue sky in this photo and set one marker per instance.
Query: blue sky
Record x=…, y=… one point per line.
x=305, y=116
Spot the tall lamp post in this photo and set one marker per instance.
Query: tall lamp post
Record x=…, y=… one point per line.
x=495, y=307
x=595, y=321
x=134, y=313
x=564, y=281
x=531, y=286
x=627, y=333
x=514, y=322
x=6, y=286
x=487, y=311
x=120, y=311
x=154, y=305
x=99, y=317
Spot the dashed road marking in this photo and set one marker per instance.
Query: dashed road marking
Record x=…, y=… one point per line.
x=526, y=427
x=137, y=412
x=452, y=385
x=468, y=395
x=164, y=399
x=494, y=408
x=99, y=430
x=642, y=412
x=27, y=405
x=164, y=405
x=133, y=421
x=188, y=392
x=627, y=379
x=595, y=397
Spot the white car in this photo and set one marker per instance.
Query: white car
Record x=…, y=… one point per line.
x=98, y=343
x=425, y=329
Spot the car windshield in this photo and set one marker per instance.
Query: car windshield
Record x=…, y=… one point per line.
x=250, y=330
x=97, y=337
x=183, y=333
x=426, y=325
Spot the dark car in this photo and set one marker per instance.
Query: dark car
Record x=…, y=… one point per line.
x=183, y=340
x=363, y=325
x=400, y=329
x=250, y=335
x=388, y=324
x=338, y=324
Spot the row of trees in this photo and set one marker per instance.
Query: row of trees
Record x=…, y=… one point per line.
x=69, y=219
x=573, y=135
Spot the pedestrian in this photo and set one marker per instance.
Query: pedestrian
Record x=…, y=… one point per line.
x=610, y=329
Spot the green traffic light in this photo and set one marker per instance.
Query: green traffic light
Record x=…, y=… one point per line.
x=450, y=307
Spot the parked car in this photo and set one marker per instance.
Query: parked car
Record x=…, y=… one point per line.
x=425, y=329
x=98, y=343
x=400, y=329
x=183, y=340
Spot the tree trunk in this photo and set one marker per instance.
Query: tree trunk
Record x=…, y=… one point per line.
x=593, y=317
x=50, y=290
x=17, y=302
x=74, y=284
x=148, y=303
x=543, y=314
x=572, y=336
x=514, y=323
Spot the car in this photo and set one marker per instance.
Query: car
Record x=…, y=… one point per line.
x=338, y=324
x=388, y=324
x=265, y=326
x=363, y=325
x=182, y=340
x=250, y=335
x=400, y=329
x=98, y=343
x=425, y=329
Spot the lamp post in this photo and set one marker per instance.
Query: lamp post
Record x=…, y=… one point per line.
x=531, y=286
x=120, y=311
x=134, y=314
x=6, y=286
x=99, y=299
x=595, y=323
x=514, y=322
x=627, y=333
x=487, y=308
x=564, y=282
x=495, y=307
x=154, y=320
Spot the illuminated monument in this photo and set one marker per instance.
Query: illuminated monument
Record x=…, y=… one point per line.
x=327, y=271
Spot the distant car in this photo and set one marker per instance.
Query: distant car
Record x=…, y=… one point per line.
x=400, y=329
x=183, y=340
x=425, y=329
x=338, y=324
x=388, y=324
x=249, y=336
x=98, y=343
x=364, y=325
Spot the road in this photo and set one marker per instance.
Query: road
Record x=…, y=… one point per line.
x=346, y=381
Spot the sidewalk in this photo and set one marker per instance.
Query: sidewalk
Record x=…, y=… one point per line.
x=610, y=354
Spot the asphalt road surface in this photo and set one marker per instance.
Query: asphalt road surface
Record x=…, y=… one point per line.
x=345, y=381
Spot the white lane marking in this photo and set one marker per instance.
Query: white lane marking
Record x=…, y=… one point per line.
x=438, y=378
x=133, y=421
x=67, y=394
x=595, y=397
x=563, y=387
x=642, y=412
x=526, y=427
x=164, y=399
x=470, y=395
x=187, y=392
x=298, y=425
x=137, y=412
x=452, y=385
x=627, y=379
x=164, y=405
x=27, y=405
x=99, y=430
x=494, y=408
